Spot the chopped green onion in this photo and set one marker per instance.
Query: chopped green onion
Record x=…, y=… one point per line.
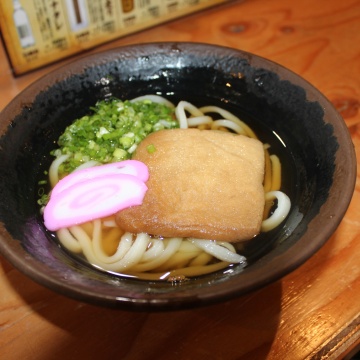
x=151, y=148
x=112, y=131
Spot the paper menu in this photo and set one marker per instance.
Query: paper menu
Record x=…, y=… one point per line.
x=39, y=32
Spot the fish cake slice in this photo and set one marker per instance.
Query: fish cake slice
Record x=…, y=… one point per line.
x=203, y=184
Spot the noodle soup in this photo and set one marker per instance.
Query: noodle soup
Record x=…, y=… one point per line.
x=104, y=245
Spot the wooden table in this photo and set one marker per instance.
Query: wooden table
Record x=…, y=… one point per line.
x=313, y=313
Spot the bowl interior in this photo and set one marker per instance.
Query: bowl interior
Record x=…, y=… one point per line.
x=306, y=132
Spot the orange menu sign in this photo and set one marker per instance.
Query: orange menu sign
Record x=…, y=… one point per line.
x=38, y=32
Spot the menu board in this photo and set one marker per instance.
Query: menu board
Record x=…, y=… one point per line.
x=38, y=32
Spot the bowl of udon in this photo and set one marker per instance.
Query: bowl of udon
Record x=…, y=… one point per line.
x=167, y=176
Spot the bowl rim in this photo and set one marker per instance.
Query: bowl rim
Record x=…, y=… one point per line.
x=287, y=262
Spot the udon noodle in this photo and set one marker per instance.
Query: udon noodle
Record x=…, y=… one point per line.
x=107, y=247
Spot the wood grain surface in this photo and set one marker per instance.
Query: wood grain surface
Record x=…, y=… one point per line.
x=313, y=313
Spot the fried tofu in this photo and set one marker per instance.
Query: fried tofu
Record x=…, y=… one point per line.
x=203, y=184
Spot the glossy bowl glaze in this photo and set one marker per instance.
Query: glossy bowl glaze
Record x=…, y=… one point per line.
x=311, y=138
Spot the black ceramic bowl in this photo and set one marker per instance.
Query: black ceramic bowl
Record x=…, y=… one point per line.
x=310, y=136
